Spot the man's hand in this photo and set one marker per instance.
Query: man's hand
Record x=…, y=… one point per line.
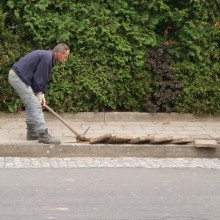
x=41, y=99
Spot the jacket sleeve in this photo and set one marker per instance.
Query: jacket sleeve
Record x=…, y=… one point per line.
x=41, y=76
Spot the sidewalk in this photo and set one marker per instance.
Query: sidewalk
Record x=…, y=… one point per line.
x=13, y=134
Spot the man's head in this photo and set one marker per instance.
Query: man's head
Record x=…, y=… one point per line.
x=61, y=52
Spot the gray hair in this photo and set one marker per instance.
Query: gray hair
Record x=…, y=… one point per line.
x=61, y=48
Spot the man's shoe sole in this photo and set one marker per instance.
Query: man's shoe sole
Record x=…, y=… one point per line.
x=44, y=142
x=32, y=138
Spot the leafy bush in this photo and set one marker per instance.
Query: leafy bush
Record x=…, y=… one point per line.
x=165, y=85
x=117, y=62
x=199, y=65
x=12, y=47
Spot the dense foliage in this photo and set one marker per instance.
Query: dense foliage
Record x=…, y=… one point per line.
x=126, y=55
x=166, y=87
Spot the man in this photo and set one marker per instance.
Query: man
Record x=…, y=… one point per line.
x=29, y=77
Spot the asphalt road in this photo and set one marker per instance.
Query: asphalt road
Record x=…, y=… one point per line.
x=110, y=194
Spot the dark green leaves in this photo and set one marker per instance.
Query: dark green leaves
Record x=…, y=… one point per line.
x=109, y=67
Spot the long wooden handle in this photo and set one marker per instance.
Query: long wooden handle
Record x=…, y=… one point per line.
x=62, y=120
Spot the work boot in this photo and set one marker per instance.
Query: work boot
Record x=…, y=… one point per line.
x=46, y=138
x=31, y=132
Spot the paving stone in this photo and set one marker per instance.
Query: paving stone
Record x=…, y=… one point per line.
x=161, y=140
x=206, y=143
x=119, y=139
x=74, y=163
x=140, y=140
x=100, y=139
x=183, y=140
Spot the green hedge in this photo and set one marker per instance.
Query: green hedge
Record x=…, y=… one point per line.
x=126, y=55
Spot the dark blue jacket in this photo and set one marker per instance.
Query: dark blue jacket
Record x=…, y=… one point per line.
x=35, y=68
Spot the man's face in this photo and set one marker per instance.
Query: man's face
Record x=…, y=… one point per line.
x=59, y=56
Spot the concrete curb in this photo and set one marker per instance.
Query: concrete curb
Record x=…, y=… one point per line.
x=107, y=150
